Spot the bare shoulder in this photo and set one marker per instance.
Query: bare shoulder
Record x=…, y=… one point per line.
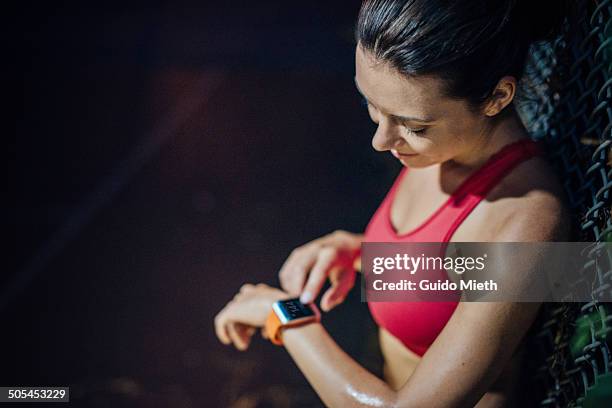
x=529, y=204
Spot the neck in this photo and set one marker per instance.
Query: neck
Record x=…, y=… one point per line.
x=507, y=130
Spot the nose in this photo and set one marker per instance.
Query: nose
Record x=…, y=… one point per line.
x=387, y=137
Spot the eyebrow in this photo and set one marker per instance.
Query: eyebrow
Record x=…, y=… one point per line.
x=396, y=117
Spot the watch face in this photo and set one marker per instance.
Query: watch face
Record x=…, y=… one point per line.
x=292, y=309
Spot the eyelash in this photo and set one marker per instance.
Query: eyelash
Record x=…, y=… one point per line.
x=366, y=103
x=422, y=130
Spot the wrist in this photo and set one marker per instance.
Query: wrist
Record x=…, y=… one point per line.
x=287, y=313
x=272, y=298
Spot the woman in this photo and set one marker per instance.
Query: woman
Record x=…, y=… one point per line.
x=440, y=79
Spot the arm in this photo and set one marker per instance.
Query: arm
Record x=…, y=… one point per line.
x=338, y=379
x=462, y=363
x=458, y=368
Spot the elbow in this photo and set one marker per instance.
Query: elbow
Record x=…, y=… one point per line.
x=359, y=398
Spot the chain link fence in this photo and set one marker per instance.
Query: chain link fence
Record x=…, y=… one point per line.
x=568, y=105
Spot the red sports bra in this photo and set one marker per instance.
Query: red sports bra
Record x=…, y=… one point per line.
x=417, y=324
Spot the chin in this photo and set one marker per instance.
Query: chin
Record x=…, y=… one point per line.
x=418, y=162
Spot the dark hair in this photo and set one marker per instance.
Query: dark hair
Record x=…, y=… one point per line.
x=470, y=44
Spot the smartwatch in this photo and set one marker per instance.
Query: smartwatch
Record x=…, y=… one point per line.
x=289, y=313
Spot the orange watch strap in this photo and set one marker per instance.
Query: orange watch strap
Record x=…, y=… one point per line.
x=272, y=327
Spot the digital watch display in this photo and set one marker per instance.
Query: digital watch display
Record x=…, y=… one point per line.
x=289, y=313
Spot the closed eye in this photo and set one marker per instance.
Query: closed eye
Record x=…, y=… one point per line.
x=409, y=129
x=367, y=104
x=420, y=130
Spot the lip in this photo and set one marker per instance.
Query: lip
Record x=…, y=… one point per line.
x=398, y=154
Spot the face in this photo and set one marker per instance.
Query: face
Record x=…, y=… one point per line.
x=416, y=123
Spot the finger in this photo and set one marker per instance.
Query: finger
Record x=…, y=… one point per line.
x=332, y=293
x=236, y=338
x=342, y=280
x=286, y=279
x=293, y=274
x=318, y=274
x=220, y=328
x=245, y=330
x=330, y=299
x=246, y=333
x=250, y=330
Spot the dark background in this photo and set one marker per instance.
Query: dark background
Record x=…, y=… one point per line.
x=165, y=155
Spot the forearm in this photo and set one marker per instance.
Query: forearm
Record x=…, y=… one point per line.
x=338, y=379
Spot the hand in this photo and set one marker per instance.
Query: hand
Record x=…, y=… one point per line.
x=308, y=266
x=239, y=319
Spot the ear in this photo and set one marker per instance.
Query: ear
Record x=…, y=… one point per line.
x=501, y=97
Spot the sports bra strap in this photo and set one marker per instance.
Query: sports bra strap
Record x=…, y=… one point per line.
x=477, y=185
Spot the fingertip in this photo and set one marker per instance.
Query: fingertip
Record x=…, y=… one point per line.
x=306, y=297
x=222, y=335
x=326, y=299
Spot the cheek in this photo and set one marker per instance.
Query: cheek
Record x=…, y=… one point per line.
x=424, y=145
x=439, y=145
